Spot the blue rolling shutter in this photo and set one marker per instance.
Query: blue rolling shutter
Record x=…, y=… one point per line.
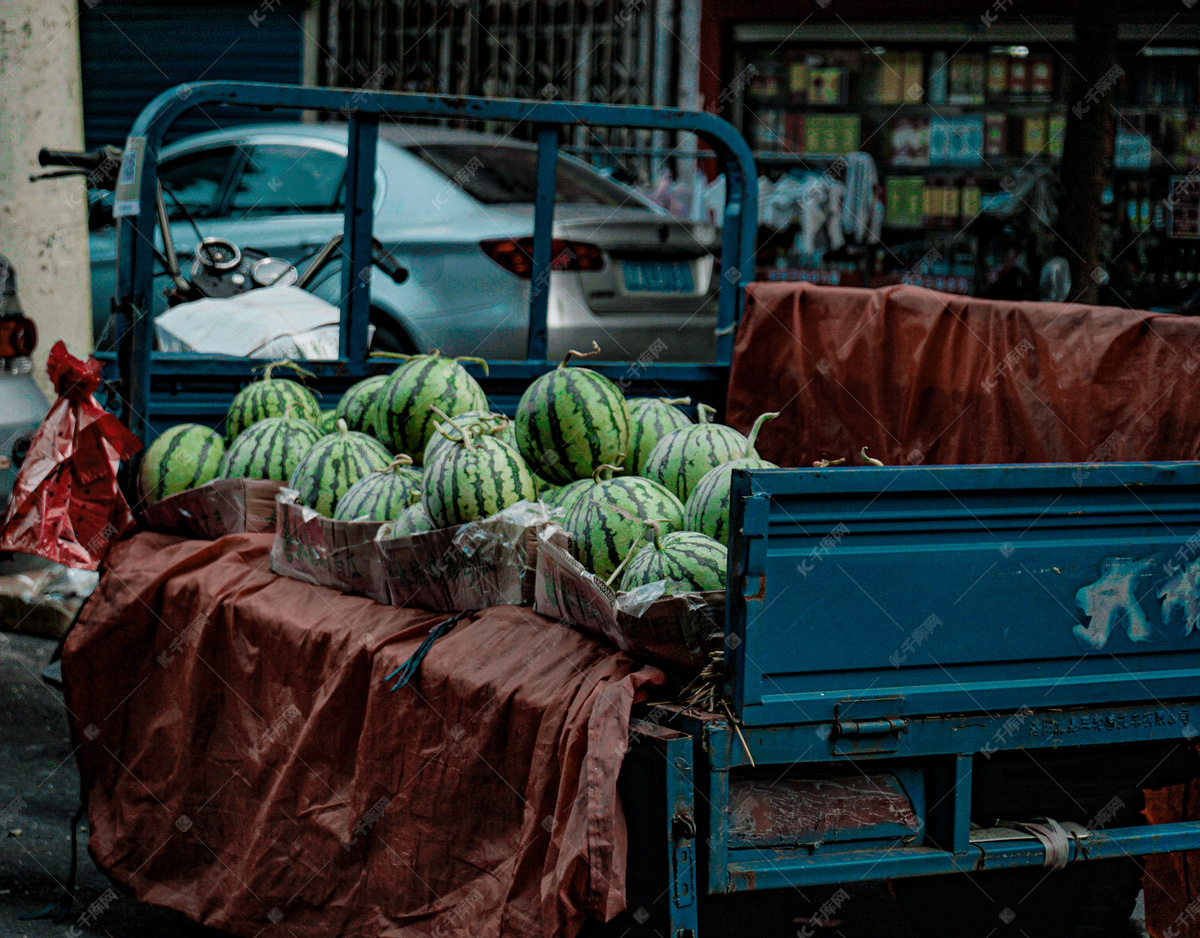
x=132, y=51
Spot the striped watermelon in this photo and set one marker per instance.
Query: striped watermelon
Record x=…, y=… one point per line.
x=328, y=421
x=685, y=559
x=496, y=425
x=473, y=479
x=610, y=517
x=269, y=449
x=681, y=458
x=334, y=464
x=382, y=495
x=186, y=456
x=567, y=495
x=708, y=506
x=413, y=520
x=571, y=421
x=357, y=406
x=652, y=418
x=270, y=397
x=404, y=418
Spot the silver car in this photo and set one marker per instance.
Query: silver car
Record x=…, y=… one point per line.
x=456, y=209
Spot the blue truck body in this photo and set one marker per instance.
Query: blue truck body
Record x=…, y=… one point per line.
x=912, y=626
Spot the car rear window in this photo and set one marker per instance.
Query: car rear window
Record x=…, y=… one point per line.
x=497, y=175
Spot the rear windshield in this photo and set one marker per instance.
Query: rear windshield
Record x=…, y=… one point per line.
x=497, y=175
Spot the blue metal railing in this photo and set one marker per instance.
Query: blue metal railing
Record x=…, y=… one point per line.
x=135, y=273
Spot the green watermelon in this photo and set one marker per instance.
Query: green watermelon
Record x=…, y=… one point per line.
x=570, y=422
x=413, y=520
x=496, y=425
x=185, y=456
x=474, y=478
x=708, y=506
x=328, y=421
x=610, y=517
x=681, y=458
x=382, y=495
x=269, y=449
x=334, y=464
x=270, y=397
x=357, y=406
x=651, y=418
x=685, y=559
x=566, y=495
x=405, y=416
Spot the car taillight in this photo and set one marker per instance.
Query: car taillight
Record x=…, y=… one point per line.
x=516, y=255
x=18, y=337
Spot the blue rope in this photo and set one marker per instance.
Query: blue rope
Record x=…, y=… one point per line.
x=409, y=669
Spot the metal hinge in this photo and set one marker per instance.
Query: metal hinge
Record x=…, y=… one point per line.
x=871, y=724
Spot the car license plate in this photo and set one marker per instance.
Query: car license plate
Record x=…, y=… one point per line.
x=658, y=276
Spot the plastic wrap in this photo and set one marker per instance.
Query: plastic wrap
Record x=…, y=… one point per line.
x=674, y=630
x=338, y=554
x=472, y=566
x=225, y=506
x=66, y=504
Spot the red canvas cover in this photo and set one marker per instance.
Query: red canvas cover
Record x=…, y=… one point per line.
x=923, y=377
x=243, y=761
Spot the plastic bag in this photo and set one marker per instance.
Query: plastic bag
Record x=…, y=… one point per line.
x=66, y=504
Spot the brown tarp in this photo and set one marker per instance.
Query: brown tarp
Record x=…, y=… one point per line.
x=244, y=762
x=924, y=377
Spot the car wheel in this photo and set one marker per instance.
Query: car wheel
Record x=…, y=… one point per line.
x=390, y=336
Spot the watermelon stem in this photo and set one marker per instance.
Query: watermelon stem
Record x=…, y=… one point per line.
x=572, y=353
x=762, y=418
x=282, y=363
x=402, y=356
x=478, y=361
x=676, y=400
x=607, y=475
x=704, y=413
x=654, y=524
x=401, y=460
x=869, y=459
x=342, y=426
x=465, y=436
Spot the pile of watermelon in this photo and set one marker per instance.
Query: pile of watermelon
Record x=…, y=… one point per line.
x=642, y=491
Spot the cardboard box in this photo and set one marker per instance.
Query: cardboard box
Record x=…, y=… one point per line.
x=339, y=554
x=675, y=632
x=471, y=566
x=225, y=506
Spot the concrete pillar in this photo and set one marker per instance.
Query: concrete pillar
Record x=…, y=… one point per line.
x=43, y=226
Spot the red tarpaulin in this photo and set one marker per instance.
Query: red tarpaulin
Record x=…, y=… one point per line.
x=924, y=377
x=244, y=763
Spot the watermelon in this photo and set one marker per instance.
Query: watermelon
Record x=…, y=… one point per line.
x=270, y=449
x=185, y=456
x=685, y=559
x=328, y=422
x=382, y=495
x=474, y=477
x=610, y=517
x=567, y=495
x=681, y=458
x=571, y=421
x=270, y=397
x=708, y=506
x=334, y=464
x=413, y=520
x=357, y=406
x=404, y=414
x=652, y=419
x=496, y=425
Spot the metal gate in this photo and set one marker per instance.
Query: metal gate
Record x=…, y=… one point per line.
x=599, y=51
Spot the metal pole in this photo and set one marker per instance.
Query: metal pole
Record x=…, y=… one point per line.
x=543, y=239
x=356, y=251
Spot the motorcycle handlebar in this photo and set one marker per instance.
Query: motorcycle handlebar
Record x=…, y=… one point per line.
x=73, y=159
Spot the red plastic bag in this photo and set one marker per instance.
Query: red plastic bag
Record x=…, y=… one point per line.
x=66, y=504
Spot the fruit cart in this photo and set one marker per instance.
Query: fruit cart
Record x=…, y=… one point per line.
x=845, y=747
